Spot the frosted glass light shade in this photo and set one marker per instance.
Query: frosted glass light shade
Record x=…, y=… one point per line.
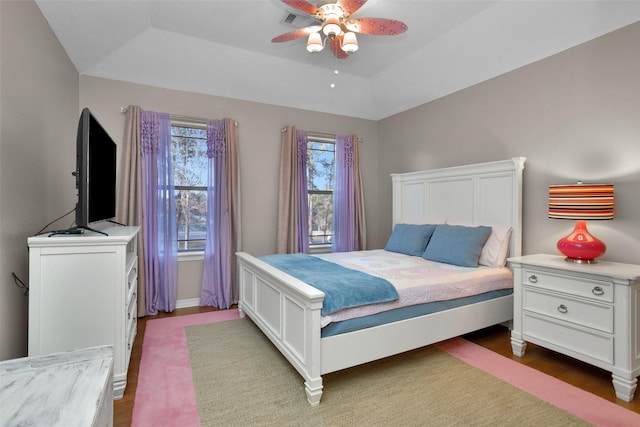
x=332, y=25
x=314, y=43
x=349, y=42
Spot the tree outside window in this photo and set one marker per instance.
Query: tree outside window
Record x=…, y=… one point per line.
x=320, y=182
x=189, y=155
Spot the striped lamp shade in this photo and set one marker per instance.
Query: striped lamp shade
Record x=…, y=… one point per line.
x=581, y=201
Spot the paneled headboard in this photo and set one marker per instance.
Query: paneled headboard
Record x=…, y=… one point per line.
x=477, y=194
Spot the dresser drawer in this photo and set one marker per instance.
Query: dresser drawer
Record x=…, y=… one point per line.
x=131, y=326
x=132, y=329
x=569, y=339
x=132, y=289
x=598, y=290
x=132, y=275
x=132, y=310
x=582, y=312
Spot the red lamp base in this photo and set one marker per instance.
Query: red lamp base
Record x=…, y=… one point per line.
x=580, y=246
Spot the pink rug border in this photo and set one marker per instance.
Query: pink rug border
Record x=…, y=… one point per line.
x=166, y=392
x=574, y=400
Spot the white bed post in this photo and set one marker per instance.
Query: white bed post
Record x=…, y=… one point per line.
x=288, y=312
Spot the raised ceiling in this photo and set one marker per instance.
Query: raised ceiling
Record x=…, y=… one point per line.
x=223, y=47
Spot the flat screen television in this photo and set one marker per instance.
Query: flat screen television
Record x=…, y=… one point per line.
x=95, y=173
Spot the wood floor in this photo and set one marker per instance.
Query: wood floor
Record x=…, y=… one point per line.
x=581, y=375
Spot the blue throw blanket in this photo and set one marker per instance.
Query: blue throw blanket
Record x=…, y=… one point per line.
x=343, y=287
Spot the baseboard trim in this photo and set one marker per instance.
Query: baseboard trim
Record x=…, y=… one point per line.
x=190, y=302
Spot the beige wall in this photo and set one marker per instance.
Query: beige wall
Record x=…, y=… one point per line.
x=259, y=153
x=39, y=116
x=575, y=116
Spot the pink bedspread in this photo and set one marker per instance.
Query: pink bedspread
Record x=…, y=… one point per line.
x=416, y=279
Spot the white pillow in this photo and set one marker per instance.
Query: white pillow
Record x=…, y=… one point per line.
x=495, y=250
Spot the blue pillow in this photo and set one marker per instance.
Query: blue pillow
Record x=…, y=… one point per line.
x=410, y=239
x=457, y=244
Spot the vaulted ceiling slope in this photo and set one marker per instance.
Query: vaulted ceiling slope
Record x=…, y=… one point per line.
x=224, y=48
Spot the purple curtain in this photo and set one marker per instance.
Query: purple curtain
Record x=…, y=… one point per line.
x=348, y=206
x=219, y=257
x=158, y=212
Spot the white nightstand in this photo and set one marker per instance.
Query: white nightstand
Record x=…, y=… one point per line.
x=587, y=311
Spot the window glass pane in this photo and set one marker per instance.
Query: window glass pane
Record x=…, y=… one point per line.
x=189, y=150
x=191, y=245
x=321, y=217
x=191, y=211
x=320, y=180
x=320, y=165
x=190, y=169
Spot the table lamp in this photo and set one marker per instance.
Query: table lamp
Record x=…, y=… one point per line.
x=581, y=202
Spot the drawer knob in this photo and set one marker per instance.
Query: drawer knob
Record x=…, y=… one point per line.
x=563, y=308
x=533, y=278
x=597, y=291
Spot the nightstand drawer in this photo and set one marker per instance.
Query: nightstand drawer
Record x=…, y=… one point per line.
x=588, y=288
x=581, y=312
x=569, y=339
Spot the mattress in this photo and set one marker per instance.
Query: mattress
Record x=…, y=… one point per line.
x=408, y=312
x=417, y=280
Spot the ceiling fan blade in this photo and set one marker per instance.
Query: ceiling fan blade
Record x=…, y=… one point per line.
x=376, y=26
x=351, y=6
x=334, y=44
x=292, y=35
x=303, y=6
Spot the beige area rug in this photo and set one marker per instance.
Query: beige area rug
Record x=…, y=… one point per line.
x=241, y=379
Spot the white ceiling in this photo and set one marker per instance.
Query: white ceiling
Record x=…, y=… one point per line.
x=223, y=47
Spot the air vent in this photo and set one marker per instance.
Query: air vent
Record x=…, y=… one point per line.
x=299, y=21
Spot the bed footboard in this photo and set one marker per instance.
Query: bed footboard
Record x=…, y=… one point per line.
x=287, y=310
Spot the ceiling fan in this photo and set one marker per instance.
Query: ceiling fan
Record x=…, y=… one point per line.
x=336, y=24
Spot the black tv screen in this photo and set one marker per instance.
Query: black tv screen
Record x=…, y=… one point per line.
x=95, y=172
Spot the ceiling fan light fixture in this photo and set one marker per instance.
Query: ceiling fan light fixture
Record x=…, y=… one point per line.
x=349, y=42
x=314, y=43
x=335, y=26
x=331, y=26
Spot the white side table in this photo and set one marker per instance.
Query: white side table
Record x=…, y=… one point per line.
x=587, y=311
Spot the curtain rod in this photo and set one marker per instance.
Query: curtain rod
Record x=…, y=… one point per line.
x=320, y=134
x=181, y=118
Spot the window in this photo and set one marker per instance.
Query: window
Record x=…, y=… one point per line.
x=190, y=163
x=320, y=180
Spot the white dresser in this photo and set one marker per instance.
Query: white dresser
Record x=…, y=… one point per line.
x=587, y=311
x=82, y=293
x=71, y=389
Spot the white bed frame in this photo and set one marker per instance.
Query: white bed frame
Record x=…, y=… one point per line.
x=287, y=310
